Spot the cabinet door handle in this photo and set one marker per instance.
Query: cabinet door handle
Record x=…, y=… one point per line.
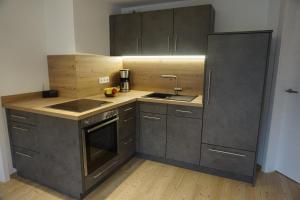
x=18, y=117
x=148, y=117
x=175, y=45
x=128, y=109
x=209, y=85
x=20, y=129
x=169, y=43
x=23, y=154
x=184, y=111
x=137, y=45
x=228, y=153
x=129, y=119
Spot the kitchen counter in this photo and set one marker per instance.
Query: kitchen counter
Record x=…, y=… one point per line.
x=39, y=105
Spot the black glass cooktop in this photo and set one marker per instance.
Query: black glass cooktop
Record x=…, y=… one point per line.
x=79, y=105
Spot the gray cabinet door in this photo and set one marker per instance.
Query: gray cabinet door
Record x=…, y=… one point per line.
x=157, y=32
x=184, y=139
x=235, y=75
x=125, y=34
x=191, y=27
x=60, y=160
x=153, y=134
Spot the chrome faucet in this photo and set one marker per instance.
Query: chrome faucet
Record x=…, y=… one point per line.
x=169, y=76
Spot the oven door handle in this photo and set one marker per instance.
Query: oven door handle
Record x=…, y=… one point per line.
x=101, y=125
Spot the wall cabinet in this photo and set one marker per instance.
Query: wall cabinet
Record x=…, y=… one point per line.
x=179, y=31
x=191, y=27
x=125, y=34
x=157, y=32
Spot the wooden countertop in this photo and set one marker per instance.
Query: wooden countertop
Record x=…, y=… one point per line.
x=39, y=105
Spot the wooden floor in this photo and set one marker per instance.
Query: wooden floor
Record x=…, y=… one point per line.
x=140, y=180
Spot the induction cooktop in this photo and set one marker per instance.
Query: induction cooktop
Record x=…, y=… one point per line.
x=79, y=105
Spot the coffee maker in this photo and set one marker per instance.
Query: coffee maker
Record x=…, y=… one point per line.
x=124, y=80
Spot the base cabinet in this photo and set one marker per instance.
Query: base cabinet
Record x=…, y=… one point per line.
x=26, y=162
x=183, y=139
x=153, y=134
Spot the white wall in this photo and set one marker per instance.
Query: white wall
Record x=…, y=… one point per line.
x=91, y=18
x=23, y=66
x=231, y=15
x=60, y=33
x=284, y=138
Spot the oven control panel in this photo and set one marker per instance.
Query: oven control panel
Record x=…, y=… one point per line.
x=98, y=118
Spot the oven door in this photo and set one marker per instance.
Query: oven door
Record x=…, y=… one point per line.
x=100, y=144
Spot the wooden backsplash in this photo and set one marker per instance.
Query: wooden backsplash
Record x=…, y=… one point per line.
x=76, y=76
x=145, y=74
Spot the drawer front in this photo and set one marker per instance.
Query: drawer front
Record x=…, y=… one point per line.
x=185, y=111
x=127, y=125
x=23, y=117
x=26, y=163
x=129, y=108
x=227, y=159
x=153, y=108
x=127, y=147
x=23, y=135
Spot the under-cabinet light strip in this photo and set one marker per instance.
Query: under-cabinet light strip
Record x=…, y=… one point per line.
x=165, y=57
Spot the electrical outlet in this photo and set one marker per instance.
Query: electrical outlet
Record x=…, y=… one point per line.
x=103, y=79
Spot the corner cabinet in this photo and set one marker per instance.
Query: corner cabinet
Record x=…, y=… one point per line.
x=179, y=31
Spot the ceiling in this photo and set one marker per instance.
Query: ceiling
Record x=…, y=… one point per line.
x=128, y=3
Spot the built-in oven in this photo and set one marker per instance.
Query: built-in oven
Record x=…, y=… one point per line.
x=99, y=142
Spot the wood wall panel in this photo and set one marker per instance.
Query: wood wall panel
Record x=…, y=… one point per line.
x=145, y=74
x=76, y=76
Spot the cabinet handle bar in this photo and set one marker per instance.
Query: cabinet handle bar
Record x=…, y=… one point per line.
x=155, y=118
x=21, y=129
x=184, y=111
x=228, y=153
x=18, y=117
x=23, y=154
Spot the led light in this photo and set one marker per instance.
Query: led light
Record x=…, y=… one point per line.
x=165, y=57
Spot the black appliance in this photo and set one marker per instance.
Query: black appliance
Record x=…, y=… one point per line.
x=79, y=105
x=99, y=145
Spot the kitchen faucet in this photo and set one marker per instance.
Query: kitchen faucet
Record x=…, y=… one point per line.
x=176, y=89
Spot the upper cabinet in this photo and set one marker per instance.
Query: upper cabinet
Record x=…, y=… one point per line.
x=179, y=31
x=191, y=27
x=125, y=34
x=157, y=32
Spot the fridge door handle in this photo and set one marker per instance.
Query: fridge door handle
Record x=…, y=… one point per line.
x=208, y=87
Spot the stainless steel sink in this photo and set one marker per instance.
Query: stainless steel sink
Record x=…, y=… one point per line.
x=174, y=97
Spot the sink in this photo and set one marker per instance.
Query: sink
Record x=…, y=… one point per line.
x=158, y=95
x=166, y=96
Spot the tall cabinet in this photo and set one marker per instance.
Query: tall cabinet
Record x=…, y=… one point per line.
x=234, y=93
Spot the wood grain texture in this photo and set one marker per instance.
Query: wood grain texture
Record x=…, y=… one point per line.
x=76, y=76
x=147, y=180
x=19, y=97
x=145, y=74
x=39, y=105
